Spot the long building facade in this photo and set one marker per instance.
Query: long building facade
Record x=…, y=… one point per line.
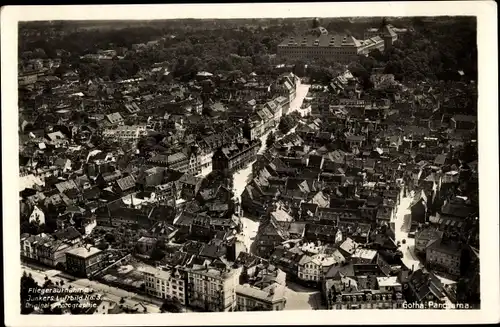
x=343, y=48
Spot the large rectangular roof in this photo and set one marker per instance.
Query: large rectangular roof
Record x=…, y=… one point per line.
x=336, y=40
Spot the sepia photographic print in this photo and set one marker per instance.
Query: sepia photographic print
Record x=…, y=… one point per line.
x=165, y=163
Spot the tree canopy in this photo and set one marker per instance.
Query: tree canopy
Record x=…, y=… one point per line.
x=434, y=50
x=431, y=49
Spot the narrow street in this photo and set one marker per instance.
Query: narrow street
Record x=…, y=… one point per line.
x=250, y=226
x=242, y=177
x=401, y=233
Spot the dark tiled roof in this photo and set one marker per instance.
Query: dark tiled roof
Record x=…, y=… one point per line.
x=126, y=183
x=69, y=233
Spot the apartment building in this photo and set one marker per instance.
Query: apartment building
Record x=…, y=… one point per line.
x=235, y=156
x=252, y=298
x=367, y=299
x=29, y=244
x=444, y=256
x=313, y=268
x=212, y=288
x=425, y=237
x=204, y=161
x=165, y=283
x=177, y=161
x=53, y=252
x=343, y=293
x=84, y=261
x=125, y=133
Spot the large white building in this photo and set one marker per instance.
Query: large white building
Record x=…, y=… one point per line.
x=313, y=268
x=165, y=283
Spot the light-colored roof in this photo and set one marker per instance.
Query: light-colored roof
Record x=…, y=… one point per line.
x=114, y=117
x=349, y=246
x=388, y=281
x=29, y=181
x=83, y=252
x=366, y=254
x=272, y=293
x=281, y=216
x=67, y=185
x=176, y=157
x=327, y=260
x=162, y=272
x=56, y=136
x=126, y=183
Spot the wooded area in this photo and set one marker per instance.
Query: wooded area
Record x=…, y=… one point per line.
x=426, y=52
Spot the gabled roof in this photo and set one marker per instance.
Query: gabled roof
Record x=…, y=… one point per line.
x=387, y=31
x=67, y=185
x=424, y=283
x=132, y=107
x=281, y=216
x=419, y=196
x=126, y=183
x=69, y=233
x=349, y=246
x=448, y=247
x=440, y=159
x=114, y=117
x=56, y=136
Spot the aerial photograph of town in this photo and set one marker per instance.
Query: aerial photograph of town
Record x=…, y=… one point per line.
x=222, y=165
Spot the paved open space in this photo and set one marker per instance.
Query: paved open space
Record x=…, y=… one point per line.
x=302, y=90
x=302, y=298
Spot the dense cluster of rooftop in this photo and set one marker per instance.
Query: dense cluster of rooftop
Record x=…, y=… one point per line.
x=140, y=174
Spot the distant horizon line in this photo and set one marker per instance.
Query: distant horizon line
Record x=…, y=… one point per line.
x=245, y=18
